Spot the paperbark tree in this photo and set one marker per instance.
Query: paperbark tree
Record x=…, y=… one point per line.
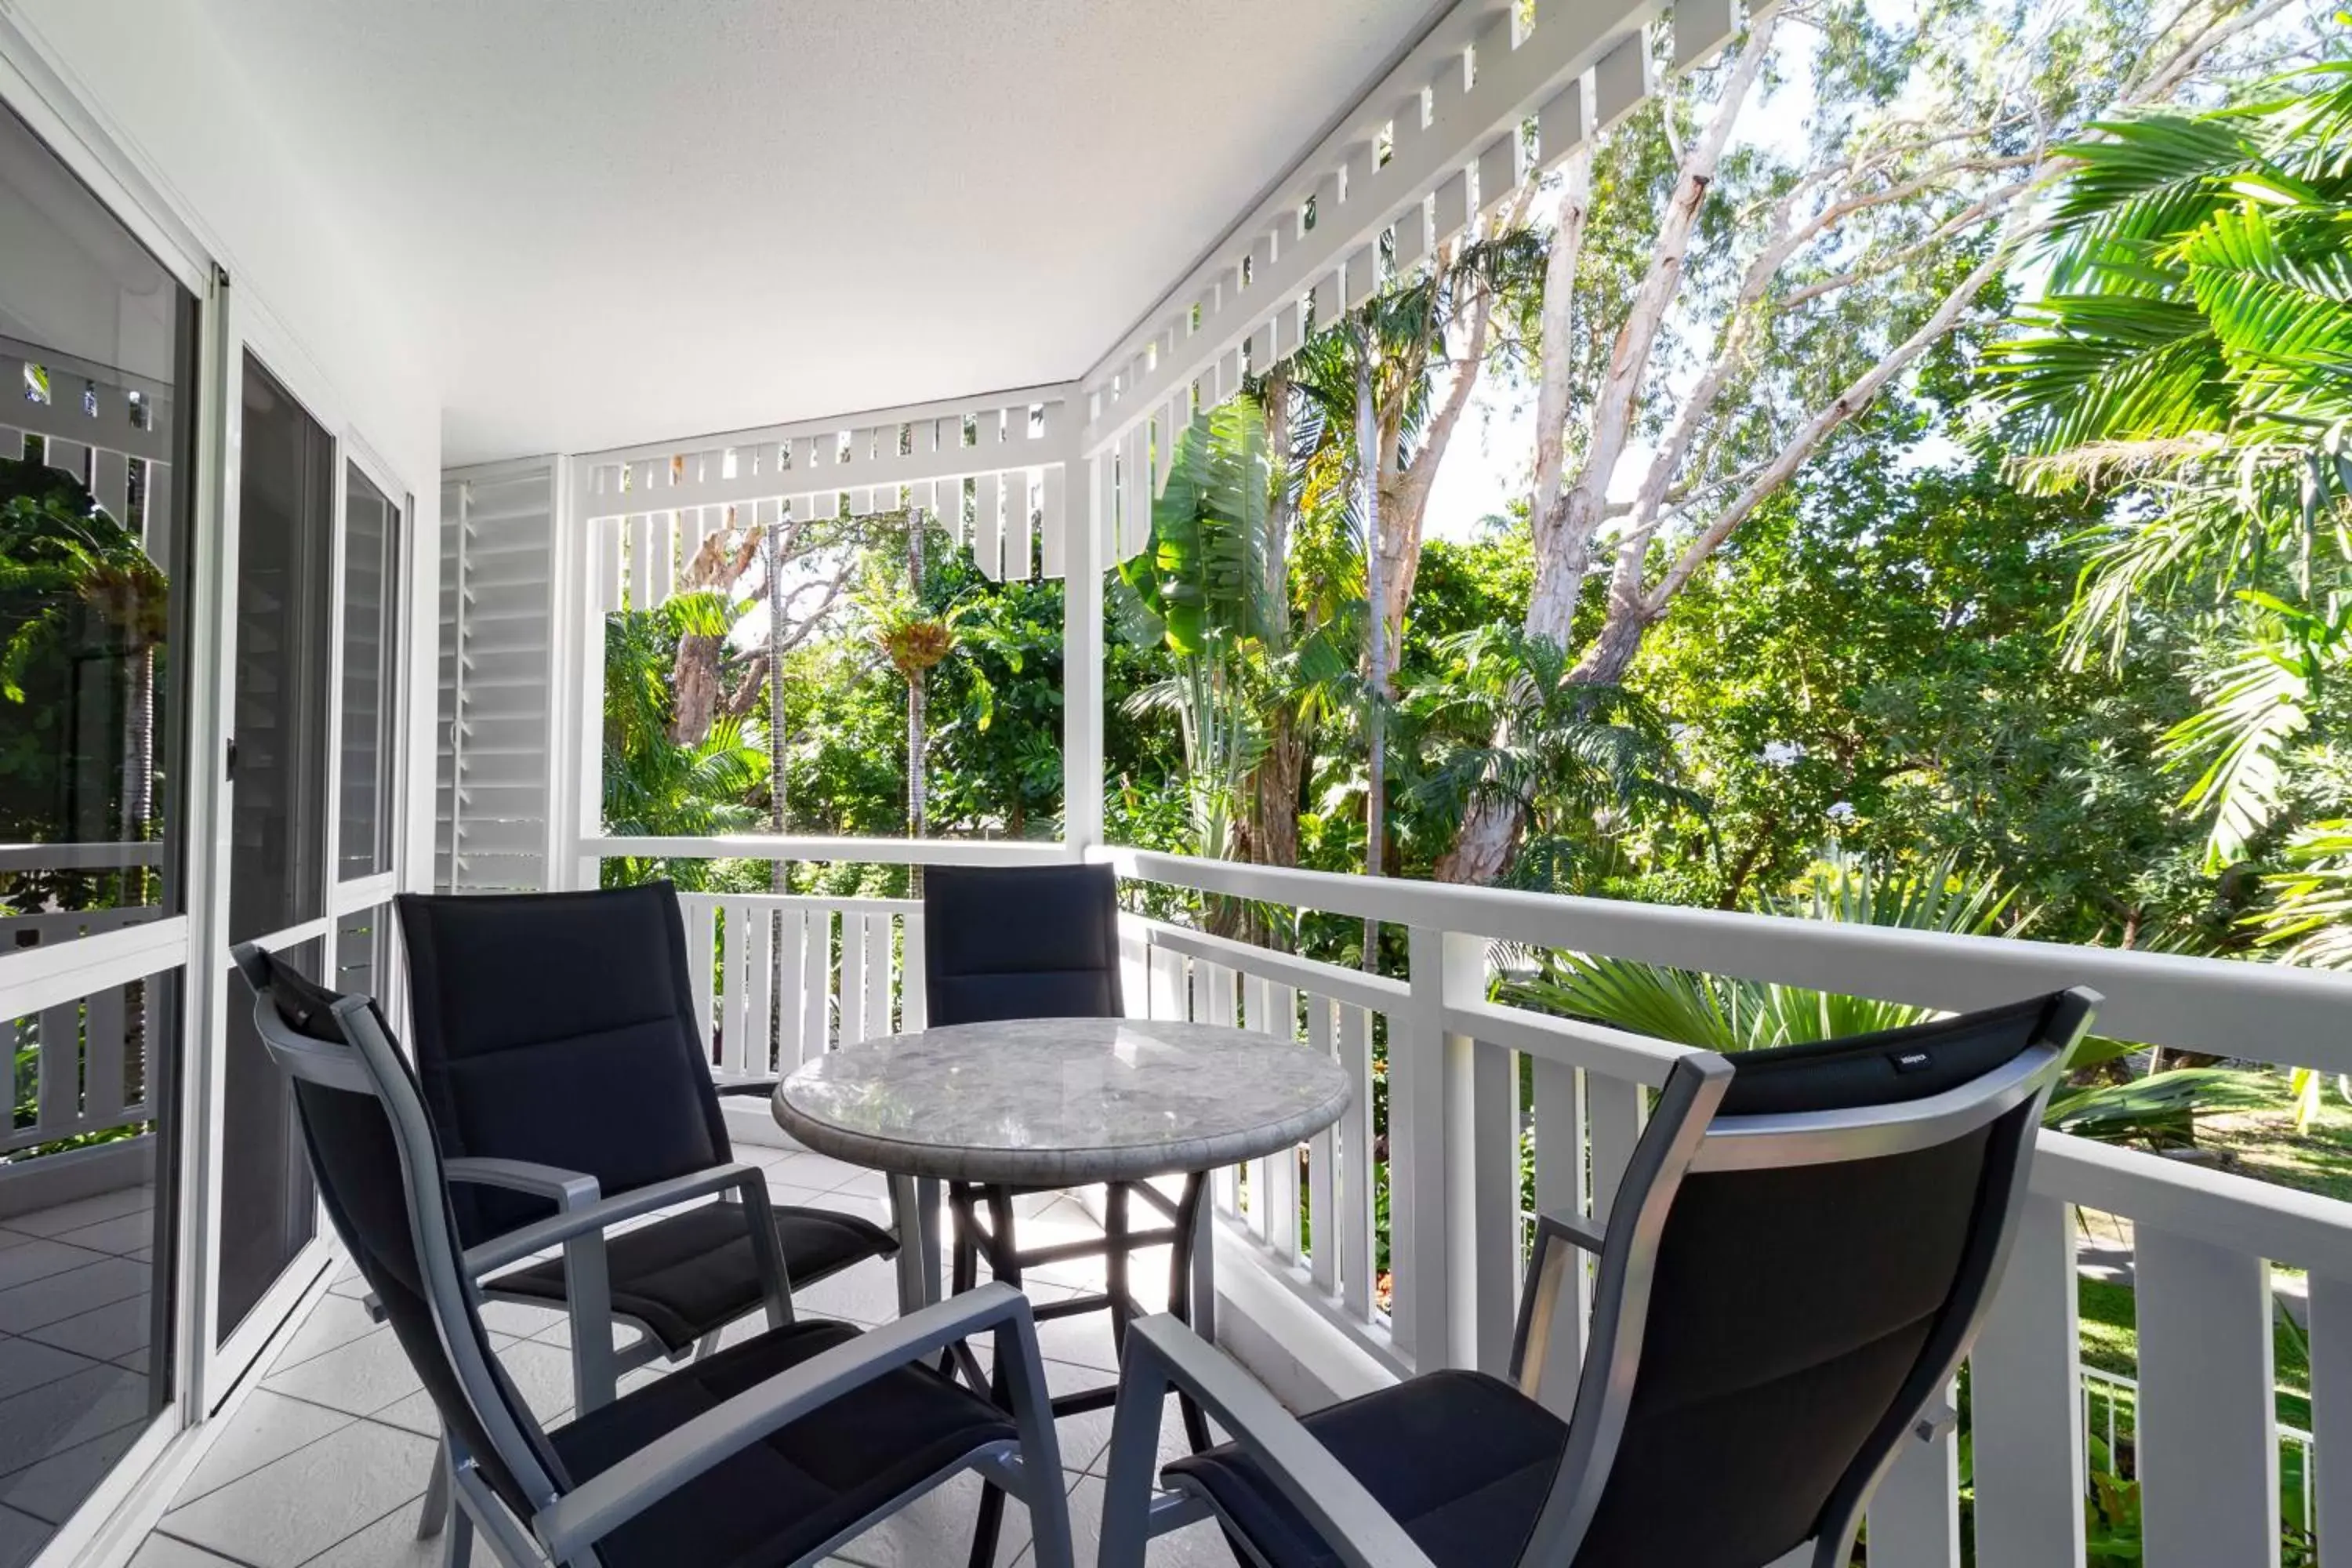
x=1749, y=304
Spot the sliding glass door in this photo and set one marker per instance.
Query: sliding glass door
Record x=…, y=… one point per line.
x=276, y=760
x=98, y=377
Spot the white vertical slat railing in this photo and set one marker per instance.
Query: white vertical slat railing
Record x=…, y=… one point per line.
x=1465, y=1080
x=1319, y=1235
x=780, y=978
x=79, y=1049
x=1450, y=1084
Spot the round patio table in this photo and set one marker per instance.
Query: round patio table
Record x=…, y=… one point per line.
x=1061, y=1102
x=996, y=1110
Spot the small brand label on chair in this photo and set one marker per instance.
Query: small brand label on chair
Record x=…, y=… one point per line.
x=1911, y=1061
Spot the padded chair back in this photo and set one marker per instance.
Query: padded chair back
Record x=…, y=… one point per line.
x=1021, y=941
x=559, y=1028
x=379, y=1171
x=1808, y=1240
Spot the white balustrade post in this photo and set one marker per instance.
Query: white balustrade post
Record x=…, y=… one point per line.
x=2207, y=1424
x=2331, y=1406
x=1433, y=1233
x=1915, y=1514
x=2024, y=1404
x=1494, y=1149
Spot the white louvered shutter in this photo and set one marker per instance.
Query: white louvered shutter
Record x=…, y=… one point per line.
x=497, y=572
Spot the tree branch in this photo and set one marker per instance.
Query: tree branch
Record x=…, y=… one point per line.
x=1810, y=435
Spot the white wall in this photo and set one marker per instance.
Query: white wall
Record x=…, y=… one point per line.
x=168, y=92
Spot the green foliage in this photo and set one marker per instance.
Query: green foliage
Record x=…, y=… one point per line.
x=1725, y=1013
x=1728, y=1013
x=83, y=617
x=1499, y=717
x=653, y=786
x=1201, y=592
x=1873, y=660
x=2191, y=353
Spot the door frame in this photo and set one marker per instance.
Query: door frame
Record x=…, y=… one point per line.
x=231, y=321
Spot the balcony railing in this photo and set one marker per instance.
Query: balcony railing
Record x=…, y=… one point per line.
x=792, y=976
x=75, y=1069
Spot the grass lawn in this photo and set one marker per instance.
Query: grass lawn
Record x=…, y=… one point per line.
x=2264, y=1144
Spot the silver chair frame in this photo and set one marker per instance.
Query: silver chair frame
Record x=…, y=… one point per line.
x=566, y=1521
x=1684, y=1136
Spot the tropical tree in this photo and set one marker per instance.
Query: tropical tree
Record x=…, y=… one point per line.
x=1500, y=718
x=1200, y=591
x=1717, y=308
x=2192, y=356
x=655, y=785
x=1383, y=389
x=67, y=561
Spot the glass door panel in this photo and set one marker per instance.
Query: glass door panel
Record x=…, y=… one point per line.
x=278, y=730
x=268, y=1204
x=371, y=576
x=98, y=349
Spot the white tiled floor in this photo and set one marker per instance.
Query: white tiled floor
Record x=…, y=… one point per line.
x=324, y=1464
x=73, y=1356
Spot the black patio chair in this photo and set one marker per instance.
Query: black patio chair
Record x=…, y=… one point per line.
x=1020, y=941
x=561, y=1065
x=773, y=1451
x=1041, y=942
x=1802, y=1248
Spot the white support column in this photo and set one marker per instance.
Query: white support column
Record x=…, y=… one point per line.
x=2208, y=1430
x=1082, y=661
x=2025, y=1404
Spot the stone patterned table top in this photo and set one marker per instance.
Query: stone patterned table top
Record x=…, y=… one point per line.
x=1061, y=1102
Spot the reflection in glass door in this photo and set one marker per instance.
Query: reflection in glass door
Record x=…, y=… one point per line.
x=277, y=774
x=97, y=375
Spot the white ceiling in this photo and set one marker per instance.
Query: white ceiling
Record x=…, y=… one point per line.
x=625, y=220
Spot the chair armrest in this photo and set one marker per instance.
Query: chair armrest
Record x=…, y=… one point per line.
x=587, y=1278
x=1588, y=1235
x=568, y=1189
x=613, y=1497
x=759, y=1083
x=1546, y=1344
x=605, y=1213
x=1160, y=1352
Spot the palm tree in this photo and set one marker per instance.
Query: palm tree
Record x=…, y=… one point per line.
x=1369, y=384
x=2194, y=351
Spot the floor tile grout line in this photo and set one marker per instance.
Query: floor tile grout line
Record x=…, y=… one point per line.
x=183, y=1497
x=61, y=1350
x=95, y=1260
x=200, y=1546
x=370, y=1524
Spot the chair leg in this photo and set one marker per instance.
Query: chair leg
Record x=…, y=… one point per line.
x=986, y=1529
x=1116, y=1284
x=436, y=1493
x=458, y=1548
x=1007, y=1269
